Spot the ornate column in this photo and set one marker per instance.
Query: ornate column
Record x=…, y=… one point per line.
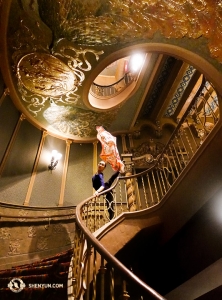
x=130, y=188
x=9, y=148
x=65, y=169
x=34, y=172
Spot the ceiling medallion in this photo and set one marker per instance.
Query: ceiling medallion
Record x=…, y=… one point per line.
x=44, y=74
x=43, y=77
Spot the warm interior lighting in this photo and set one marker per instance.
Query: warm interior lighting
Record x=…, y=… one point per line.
x=56, y=156
x=136, y=62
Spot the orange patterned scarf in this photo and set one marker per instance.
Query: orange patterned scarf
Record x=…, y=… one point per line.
x=109, y=153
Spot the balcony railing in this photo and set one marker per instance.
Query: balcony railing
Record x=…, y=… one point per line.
x=110, y=91
x=138, y=192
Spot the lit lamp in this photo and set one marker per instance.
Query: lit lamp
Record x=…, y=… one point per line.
x=54, y=160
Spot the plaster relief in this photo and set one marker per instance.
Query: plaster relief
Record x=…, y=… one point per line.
x=14, y=247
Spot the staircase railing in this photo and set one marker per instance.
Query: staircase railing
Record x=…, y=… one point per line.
x=136, y=192
x=148, y=188
x=94, y=266
x=108, y=91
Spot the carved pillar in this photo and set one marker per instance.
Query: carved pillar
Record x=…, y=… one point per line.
x=130, y=188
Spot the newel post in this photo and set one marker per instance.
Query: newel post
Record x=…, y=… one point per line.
x=130, y=188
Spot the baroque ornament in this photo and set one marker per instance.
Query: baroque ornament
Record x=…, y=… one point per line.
x=22, y=214
x=135, y=20
x=44, y=77
x=14, y=247
x=42, y=243
x=32, y=231
x=51, y=37
x=44, y=74
x=58, y=229
x=5, y=233
x=75, y=121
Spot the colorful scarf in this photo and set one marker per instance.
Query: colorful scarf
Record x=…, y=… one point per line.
x=109, y=153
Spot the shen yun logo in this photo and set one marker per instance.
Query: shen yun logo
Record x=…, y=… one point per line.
x=16, y=285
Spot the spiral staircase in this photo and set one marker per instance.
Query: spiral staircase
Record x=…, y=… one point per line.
x=176, y=183
x=143, y=201
x=147, y=200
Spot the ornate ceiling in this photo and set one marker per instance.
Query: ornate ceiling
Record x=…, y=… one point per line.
x=52, y=51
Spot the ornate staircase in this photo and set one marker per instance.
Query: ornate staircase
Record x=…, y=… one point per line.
x=148, y=199
x=151, y=198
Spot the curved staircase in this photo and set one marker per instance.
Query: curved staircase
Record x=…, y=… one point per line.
x=141, y=201
x=168, y=189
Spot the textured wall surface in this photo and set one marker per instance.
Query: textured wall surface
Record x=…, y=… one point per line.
x=78, y=184
x=46, y=186
x=32, y=234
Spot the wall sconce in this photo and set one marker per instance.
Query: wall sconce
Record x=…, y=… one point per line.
x=54, y=160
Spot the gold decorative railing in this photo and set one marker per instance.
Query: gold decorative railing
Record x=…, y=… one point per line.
x=148, y=188
x=108, y=91
x=144, y=190
x=97, y=274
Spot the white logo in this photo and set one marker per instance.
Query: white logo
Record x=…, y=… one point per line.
x=16, y=285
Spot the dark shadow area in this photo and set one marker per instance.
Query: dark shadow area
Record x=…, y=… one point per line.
x=195, y=247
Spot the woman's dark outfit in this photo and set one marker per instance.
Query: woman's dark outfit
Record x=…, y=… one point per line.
x=98, y=181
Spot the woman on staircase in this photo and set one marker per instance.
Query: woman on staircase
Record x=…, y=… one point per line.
x=100, y=185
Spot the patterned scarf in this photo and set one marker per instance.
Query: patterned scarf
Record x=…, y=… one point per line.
x=109, y=153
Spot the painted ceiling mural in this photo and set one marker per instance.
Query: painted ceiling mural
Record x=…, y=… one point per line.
x=54, y=45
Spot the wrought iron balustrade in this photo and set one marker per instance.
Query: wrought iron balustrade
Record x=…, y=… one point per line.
x=108, y=91
x=150, y=186
x=139, y=191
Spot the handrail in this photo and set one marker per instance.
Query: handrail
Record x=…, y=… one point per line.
x=107, y=91
x=145, y=189
x=51, y=217
x=118, y=81
x=109, y=257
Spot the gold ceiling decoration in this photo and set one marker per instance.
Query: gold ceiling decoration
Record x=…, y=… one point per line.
x=110, y=22
x=76, y=121
x=44, y=77
x=53, y=44
x=45, y=74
